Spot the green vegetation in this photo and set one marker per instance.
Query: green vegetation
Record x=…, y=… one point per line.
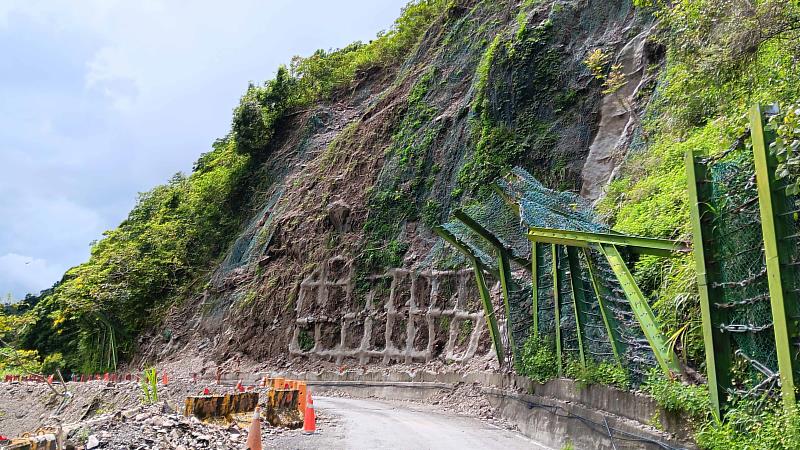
x=537, y=360
x=176, y=232
x=752, y=425
x=787, y=145
x=305, y=341
x=149, y=386
x=12, y=360
x=708, y=83
x=604, y=373
x=141, y=267
x=674, y=396
x=759, y=423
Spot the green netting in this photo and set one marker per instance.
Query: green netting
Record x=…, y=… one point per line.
x=497, y=217
x=476, y=244
x=789, y=219
x=519, y=303
x=569, y=329
x=255, y=239
x=595, y=337
x=521, y=203
x=637, y=355
x=546, y=303
x=545, y=208
x=737, y=256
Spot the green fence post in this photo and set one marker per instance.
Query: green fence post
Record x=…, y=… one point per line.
x=610, y=322
x=504, y=267
x=488, y=309
x=535, y=288
x=770, y=201
x=717, y=343
x=483, y=291
x=557, y=309
x=641, y=309
x=578, y=300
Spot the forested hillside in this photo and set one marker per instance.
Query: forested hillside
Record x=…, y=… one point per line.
x=357, y=153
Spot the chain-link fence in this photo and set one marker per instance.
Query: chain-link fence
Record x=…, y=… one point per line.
x=566, y=298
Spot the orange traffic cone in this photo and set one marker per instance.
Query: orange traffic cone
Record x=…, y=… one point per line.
x=165, y=379
x=309, y=419
x=239, y=386
x=254, y=433
x=206, y=391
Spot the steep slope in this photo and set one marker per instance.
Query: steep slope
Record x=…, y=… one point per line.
x=353, y=184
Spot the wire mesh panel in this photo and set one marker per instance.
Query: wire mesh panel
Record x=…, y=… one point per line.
x=637, y=357
x=542, y=207
x=502, y=221
x=737, y=257
x=476, y=244
x=519, y=302
x=545, y=303
x=569, y=327
x=494, y=215
x=789, y=218
x=596, y=341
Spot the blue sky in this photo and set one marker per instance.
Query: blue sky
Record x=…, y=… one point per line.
x=102, y=99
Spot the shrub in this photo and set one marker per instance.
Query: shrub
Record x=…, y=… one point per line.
x=750, y=425
x=674, y=396
x=537, y=360
x=52, y=363
x=604, y=373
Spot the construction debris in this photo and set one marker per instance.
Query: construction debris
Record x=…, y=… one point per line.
x=221, y=407
x=107, y=415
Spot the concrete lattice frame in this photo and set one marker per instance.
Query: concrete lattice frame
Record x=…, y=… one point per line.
x=419, y=306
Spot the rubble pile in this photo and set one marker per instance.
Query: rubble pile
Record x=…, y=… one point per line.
x=107, y=415
x=153, y=427
x=158, y=427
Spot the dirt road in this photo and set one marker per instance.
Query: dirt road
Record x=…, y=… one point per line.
x=371, y=424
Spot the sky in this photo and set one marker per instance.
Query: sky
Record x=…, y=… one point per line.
x=102, y=99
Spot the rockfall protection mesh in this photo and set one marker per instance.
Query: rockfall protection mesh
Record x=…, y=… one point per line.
x=736, y=256
x=521, y=202
x=253, y=242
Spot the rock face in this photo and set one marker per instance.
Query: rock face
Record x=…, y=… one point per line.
x=619, y=118
x=356, y=182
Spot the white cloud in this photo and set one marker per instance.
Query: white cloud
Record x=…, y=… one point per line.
x=102, y=99
x=110, y=72
x=24, y=274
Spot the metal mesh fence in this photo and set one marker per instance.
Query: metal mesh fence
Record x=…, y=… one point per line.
x=521, y=203
x=737, y=257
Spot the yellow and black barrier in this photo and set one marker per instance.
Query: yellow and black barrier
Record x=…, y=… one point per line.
x=43, y=440
x=206, y=407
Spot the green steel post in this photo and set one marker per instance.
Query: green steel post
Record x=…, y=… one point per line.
x=717, y=343
x=488, y=309
x=557, y=309
x=473, y=225
x=483, y=291
x=504, y=267
x=578, y=300
x=634, y=244
x=612, y=327
x=770, y=199
x=535, y=288
x=641, y=309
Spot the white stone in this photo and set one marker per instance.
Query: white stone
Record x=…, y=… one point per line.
x=92, y=442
